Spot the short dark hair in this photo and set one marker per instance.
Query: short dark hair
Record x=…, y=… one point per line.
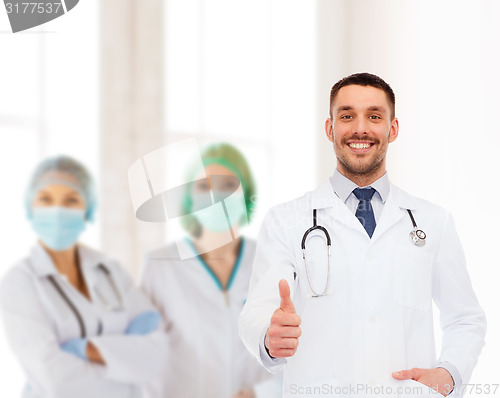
x=364, y=79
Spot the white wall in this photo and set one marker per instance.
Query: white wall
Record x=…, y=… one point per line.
x=442, y=60
x=244, y=72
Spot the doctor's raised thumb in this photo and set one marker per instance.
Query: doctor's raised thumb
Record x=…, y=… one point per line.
x=286, y=302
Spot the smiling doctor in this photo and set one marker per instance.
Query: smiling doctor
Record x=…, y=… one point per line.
x=346, y=307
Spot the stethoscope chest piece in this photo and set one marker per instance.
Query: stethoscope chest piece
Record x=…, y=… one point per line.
x=417, y=237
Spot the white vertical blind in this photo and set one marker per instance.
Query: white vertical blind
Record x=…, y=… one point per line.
x=243, y=72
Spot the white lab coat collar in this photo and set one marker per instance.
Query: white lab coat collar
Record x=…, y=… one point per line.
x=401, y=198
x=90, y=258
x=42, y=264
x=343, y=186
x=397, y=201
x=324, y=197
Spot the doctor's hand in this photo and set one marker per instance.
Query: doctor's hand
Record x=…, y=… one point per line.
x=282, y=337
x=83, y=349
x=76, y=347
x=144, y=323
x=244, y=394
x=438, y=379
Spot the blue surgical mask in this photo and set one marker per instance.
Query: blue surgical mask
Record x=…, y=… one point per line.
x=58, y=227
x=213, y=218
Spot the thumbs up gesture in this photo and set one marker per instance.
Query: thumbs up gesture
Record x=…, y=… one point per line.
x=282, y=337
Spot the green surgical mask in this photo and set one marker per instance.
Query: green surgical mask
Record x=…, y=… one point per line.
x=213, y=217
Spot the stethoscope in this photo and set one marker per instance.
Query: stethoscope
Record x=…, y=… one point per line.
x=81, y=323
x=417, y=237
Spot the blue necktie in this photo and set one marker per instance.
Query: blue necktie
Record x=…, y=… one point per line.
x=364, y=212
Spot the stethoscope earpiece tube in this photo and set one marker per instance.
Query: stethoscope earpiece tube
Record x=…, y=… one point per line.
x=83, y=332
x=103, y=268
x=111, y=282
x=328, y=243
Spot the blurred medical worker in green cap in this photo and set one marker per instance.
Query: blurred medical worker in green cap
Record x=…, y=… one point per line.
x=200, y=294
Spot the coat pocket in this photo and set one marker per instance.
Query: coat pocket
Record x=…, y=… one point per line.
x=412, y=277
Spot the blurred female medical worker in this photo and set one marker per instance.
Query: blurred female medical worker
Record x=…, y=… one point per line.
x=200, y=286
x=73, y=317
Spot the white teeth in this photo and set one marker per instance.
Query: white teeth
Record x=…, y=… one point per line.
x=359, y=145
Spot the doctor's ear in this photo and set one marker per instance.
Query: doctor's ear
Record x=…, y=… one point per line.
x=329, y=129
x=394, y=131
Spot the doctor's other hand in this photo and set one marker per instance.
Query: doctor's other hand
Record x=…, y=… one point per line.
x=76, y=347
x=83, y=349
x=144, y=323
x=282, y=337
x=438, y=379
x=244, y=394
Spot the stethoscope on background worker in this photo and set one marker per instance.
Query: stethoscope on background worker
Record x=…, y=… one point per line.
x=81, y=323
x=417, y=237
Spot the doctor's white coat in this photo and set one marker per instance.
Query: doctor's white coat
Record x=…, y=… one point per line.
x=38, y=320
x=378, y=317
x=207, y=358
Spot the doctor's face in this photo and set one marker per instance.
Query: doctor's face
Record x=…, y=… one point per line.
x=361, y=130
x=224, y=186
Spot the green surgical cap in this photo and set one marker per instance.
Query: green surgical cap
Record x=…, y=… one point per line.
x=228, y=156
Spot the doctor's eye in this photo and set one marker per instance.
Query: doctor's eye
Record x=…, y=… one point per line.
x=72, y=201
x=230, y=185
x=202, y=185
x=43, y=199
x=346, y=117
x=375, y=117
x=224, y=182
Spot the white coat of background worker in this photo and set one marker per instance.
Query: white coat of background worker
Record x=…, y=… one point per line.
x=73, y=317
x=201, y=283
x=369, y=331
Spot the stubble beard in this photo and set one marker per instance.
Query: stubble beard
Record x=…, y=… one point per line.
x=361, y=168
